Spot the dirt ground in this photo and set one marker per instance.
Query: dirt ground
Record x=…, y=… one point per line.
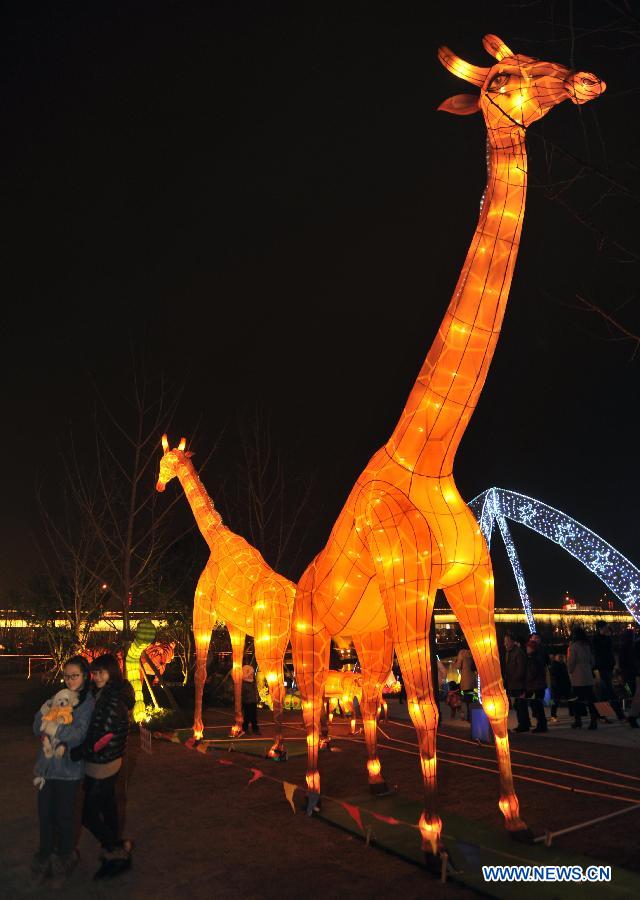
x=202, y=831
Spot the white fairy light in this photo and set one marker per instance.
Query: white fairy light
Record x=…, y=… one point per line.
x=611, y=567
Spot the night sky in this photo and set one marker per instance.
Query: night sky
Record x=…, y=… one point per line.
x=263, y=199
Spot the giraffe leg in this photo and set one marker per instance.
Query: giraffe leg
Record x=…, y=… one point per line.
x=237, y=651
x=271, y=630
x=412, y=656
x=326, y=718
x=472, y=603
x=407, y=564
x=375, y=654
x=203, y=620
x=310, y=643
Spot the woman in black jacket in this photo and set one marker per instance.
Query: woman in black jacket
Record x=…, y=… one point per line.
x=103, y=750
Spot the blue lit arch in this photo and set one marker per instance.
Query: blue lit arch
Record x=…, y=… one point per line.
x=611, y=567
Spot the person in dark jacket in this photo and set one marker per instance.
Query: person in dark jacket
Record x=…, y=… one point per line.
x=627, y=658
x=560, y=684
x=103, y=751
x=249, y=700
x=63, y=774
x=515, y=667
x=604, y=663
x=536, y=683
x=634, y=709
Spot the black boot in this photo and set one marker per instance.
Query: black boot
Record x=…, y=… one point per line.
x=633, y=721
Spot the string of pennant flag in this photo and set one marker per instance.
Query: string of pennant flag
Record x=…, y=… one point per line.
x=290, y=789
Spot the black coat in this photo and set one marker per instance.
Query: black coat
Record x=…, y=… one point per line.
x=560, y=683
x=515, y=666
x=630, y=661
x=603, y=653
x=111, y=715
x=536, y=672
x=249, y=692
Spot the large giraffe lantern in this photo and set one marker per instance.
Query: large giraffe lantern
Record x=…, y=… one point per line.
x=236, y=587
x=404, y=530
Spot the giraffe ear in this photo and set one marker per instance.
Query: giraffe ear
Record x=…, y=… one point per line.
x=165, y=443
x=189, y=454
x=461, y=105
x=496, y=47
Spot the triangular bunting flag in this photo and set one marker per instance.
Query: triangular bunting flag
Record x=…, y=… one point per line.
x=256, y=775
x=289, y=791
x=388, y=819
x=354, y=812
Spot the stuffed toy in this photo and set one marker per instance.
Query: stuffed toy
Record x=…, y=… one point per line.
x=56, y=712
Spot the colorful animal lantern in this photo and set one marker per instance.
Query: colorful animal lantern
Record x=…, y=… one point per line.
x=236, y=587
x=391, y=685
x=145, y=633
x=160, y=653
x=405, y=531
x=340, y=691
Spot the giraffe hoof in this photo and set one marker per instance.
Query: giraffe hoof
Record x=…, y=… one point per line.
x=437, y=863
x=382, y=789
x=523, y=836
x=313, y=803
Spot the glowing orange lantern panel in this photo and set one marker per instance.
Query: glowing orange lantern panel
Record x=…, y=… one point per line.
x=405, y=531
x=236, y=587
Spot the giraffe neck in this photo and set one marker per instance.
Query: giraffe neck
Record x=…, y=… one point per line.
x=208, y=519
x=455, y=370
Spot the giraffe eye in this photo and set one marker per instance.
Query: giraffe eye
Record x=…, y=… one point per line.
x=498, y=81
x=588, y=82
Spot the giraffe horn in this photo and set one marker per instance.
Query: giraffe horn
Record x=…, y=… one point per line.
x=475, y=74
x=165, y=443
x=182, y=444
x=495, y=46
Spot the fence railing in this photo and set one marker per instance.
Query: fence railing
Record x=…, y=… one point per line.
x=25, y=663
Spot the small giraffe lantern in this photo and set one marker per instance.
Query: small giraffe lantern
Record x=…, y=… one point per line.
x=236, y=587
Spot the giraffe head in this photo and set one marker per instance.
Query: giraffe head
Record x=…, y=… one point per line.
x=170, y=461
x=517, y=90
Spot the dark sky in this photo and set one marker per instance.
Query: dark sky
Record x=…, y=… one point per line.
x=265, y=200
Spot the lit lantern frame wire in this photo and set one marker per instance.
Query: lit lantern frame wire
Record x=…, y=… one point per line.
x=496, y=505
x=238, y=588
x=404, y=531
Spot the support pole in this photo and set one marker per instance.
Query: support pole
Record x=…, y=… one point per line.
x=548, y=836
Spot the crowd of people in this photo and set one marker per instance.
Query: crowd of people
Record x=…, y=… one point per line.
x=588, y=679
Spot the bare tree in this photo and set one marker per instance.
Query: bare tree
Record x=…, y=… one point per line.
x=270, y=502
x=69, y=598
x=121, y=534
x=597, y=185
